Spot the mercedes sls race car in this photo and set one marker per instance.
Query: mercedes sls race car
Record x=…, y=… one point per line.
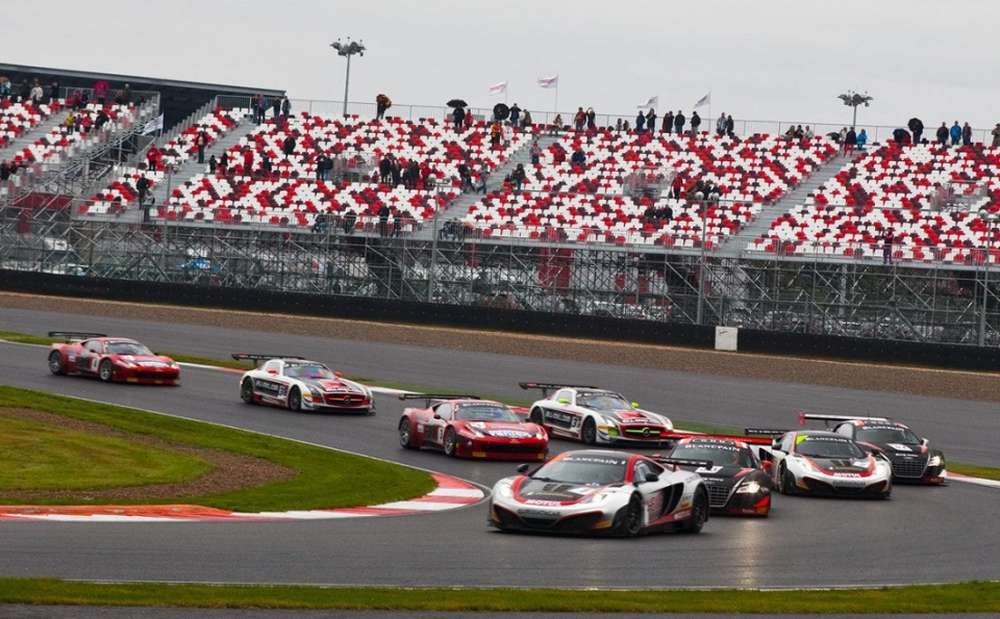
x=298, y=384
x=112, y=359
x=596, y=416
x=825, y=463
x=912, y=457
x=601, y=492
x=738, y=482
x=465, y=426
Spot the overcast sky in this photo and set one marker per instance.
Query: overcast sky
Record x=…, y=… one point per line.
x=767, y=59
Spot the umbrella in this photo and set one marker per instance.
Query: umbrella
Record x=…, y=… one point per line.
x=457, y=103
x=501, y=111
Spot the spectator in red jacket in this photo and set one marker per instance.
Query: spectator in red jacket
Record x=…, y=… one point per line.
x=201, y=142
x=153, y=158
x=248, y=162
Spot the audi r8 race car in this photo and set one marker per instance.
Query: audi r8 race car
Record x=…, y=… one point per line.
x=111, y=359
x=738, y=482
x=825, y=463
x=467, y=427
x=596, y=416
x=912, y=458
x=601, y=492
x=298, y=384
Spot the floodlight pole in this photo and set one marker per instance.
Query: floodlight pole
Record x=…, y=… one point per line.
x=347, y=50
x=347, y=84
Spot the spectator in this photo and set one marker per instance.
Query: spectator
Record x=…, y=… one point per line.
x=862, y=139
x=4, y=88
x=526, y=121
x=720, y=125
x=25, y=94
x=808, y=132
x=842, y=139
x=201, y=142
x=850, y=140
x=396, y=171
x=286, y=106
x=320, y=163
x=383, y=220
x=790, y=133
x=53, y=92
x=101, y=119
x=288, y=146
x=5, y=171
x=887, y=246
x=518, y=177
x=640, y=122
x=942, y=134
x=668, y=122
x=248, y=162
x=152, y=157
x=676, y=187
x=142, y=188
x=382, y=104
x=591, y=119
x=224, y=162
x=484, y=175
x=259, y=108
x=70, y=122
x=679, y=121
x=468, y=119
x=536, y=152
x=557, y=124
x=126, y=94
x=966, y=134
x=916, y=127
x=101, y=88
x=465, y=176
x=900, y=136
x=579, y=119
x=515, y=115
x=578, y=159
x=37, y=93
x=731, y=127
x=695, y=122
x=212, y=164
x=618, y=125
x=350, y=219
x=651, y=120
x=276, y=108
x=799, y=132
x=459, y=117
x=996, y=136
x=496, y=134
x=320, y=224
x=385, y=169
x=956, y=133
x=626, y=127
x=412, y=172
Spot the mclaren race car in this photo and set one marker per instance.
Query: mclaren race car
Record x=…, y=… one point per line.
x=298, y=384
x=601, y=492
x=596, y=416
x=738, y=482
x=468, y=427
x=111, y=359
x=912, y=457
x=825, y=463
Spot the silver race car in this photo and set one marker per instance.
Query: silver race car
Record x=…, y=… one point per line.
x=299, y=384
x=596, y=416
x=601, y=492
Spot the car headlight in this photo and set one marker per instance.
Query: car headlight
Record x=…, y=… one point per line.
x=504, y=491
x=472, y=433
x=597, y=497
x=936, y=460
x=316, y=393
x=750, y=487
x=126, y=364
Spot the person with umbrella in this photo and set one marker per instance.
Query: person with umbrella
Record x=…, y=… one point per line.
x=515, y=115
x=916, y=127
x=458, y=114
x=382, y=103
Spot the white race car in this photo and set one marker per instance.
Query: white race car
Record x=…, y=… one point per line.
x=298, y=384
x=596, y=416
x=825, y=463
x=601, y=492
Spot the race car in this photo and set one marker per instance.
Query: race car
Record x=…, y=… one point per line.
x=465, y=426
x=111, y=359
x=825, y=463
x=301, y=385
x=912, y=457
x=601, y=492
x=738, y=482
x=596, y=416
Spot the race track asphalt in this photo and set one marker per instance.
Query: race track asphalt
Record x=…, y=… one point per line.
x=922, y=535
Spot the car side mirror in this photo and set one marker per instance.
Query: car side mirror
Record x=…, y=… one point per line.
x=563, y=401
x=273, y=372
x=635, y=404
x=338, y=373
x=523, y=468
x=652, y=477
x=776, y=444
x=436, y=416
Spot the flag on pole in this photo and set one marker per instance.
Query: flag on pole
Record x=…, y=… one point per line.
x=153, y=125
x=549, y=82
x=706, y=100
x=651, y=102
x=498, y=88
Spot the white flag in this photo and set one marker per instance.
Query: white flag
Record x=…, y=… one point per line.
x=549, y=82
x=706, y=100
x=651, y=102
x=154, y=125
x=498, y=88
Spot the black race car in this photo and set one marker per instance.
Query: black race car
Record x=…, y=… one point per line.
x=738, y=482
x=912, y=457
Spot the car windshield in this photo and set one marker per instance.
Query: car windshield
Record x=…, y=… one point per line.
x=885, y=435
x=308, y=370
x=127, y=348
x=602, y=401
x=584, y=469
x=719, y=455
x=486, y=412
x=827, y=447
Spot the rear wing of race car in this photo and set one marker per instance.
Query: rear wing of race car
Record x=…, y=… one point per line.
x=750, y=440
x=804, y=416
x=429, y=397
x=257, y=358
x=74, y=336
x=765, y=431
x=547, y=387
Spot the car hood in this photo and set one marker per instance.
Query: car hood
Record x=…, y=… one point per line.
x=632, y=416
x=333, y=385
x=539, y=492
x=842, y=465
x=144, y=359
x=501, y=429
x=720, y=474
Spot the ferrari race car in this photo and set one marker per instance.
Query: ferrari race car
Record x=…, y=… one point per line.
x=825, y=463
x=912, y=458
x=298, y=384
x=465, y=426
x=737, y=481
x=601, y=492
x=112, y=359
x=596, y=416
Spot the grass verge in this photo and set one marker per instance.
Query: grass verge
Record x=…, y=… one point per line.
x=324, y=478
x=974, y=470
x=977, y=597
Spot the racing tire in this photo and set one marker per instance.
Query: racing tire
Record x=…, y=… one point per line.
x=588, y=434
x=106, y=371
x=537, y=417
x=887, y=494
x=295, y=400
x=699, y=513
x=405, y=437
x=786, y=481
x=56, y=363
x=449, y=443
x=628, y=520
x=246, y=391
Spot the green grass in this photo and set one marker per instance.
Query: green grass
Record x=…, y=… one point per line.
x=978, y=597
x=325, y=478
x=25, y=338
x=974, y=470
x=42, y=456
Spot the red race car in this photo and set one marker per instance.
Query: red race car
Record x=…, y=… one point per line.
x=468, y=427
x=112, y=359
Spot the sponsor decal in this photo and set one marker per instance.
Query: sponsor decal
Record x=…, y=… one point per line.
x=899, y=447
x=541, y=502
x=509, y=433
